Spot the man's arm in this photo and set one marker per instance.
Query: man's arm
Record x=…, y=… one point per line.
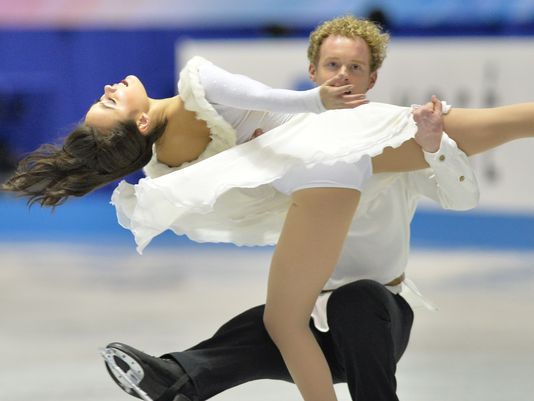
x=450, y=180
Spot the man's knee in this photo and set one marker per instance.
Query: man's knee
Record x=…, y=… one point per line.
x=363, y=299
x=365, y=316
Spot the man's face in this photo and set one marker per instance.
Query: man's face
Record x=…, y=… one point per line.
x=348, y=59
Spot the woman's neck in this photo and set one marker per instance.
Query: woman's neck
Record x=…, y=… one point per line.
x=185, y=137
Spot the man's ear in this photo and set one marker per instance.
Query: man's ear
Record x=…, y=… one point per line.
x=312, y=72
x=143, y=123
x=372, y=80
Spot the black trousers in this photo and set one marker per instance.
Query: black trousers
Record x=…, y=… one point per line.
x=369, y=331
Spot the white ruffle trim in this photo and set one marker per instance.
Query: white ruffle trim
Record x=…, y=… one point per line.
x=227, y=198
x=223, y=135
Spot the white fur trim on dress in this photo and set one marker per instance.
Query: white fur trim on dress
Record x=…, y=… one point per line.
x=191, y=91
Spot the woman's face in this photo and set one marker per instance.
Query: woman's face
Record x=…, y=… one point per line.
x=125, y=100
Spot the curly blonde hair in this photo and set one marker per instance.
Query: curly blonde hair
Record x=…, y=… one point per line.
x=350, y=27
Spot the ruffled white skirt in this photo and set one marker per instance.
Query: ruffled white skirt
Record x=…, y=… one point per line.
x=229, y=197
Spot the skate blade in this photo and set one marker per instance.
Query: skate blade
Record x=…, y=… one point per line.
x=109, y=357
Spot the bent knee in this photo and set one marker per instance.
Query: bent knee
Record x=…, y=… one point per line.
x=274, y=325
x=360, y=298
x=282, y=327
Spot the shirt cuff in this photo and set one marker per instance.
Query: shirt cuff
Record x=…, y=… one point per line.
x=449, y=161
x=447, y=147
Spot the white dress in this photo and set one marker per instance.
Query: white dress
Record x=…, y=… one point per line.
x=227, y=194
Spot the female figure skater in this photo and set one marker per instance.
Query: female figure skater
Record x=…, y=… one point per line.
x=230, y=197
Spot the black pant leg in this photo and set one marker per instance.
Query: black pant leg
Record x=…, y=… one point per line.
x=370, y=329
x=240, y=351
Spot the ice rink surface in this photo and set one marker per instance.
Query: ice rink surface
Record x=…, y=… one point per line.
x=59, y=303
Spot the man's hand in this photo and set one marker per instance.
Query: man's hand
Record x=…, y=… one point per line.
x=340, y=97
x=429, y=125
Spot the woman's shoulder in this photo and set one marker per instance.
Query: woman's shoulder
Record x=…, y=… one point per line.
x=191, y=68
x=195, y=62
x=191, y=91
x=193, y=95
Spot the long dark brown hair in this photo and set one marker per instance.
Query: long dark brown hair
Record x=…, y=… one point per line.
x=87, y=160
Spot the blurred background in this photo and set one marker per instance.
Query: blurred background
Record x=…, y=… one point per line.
x=70, y=280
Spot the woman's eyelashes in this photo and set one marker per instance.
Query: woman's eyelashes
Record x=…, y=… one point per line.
x=106, y=100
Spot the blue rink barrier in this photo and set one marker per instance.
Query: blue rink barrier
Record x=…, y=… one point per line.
x=474, y=229
x=92, y=220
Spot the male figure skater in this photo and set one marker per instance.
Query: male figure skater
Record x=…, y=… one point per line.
x=363, y=326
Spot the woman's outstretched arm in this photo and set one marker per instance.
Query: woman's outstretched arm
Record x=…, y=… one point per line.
x=309, y=246
x=242, y=92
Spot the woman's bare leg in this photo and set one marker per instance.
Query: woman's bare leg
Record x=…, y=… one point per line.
x=315, y=228
x=474, y=130
x=478, y=130
x=407, y=157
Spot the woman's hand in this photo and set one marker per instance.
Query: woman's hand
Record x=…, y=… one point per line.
x=340, y=97
x=429, y=125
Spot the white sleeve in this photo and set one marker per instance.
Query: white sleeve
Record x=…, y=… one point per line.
x=242, y=92
x=450, y=180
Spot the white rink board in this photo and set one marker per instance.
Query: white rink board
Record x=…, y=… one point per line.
x=476, y=72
